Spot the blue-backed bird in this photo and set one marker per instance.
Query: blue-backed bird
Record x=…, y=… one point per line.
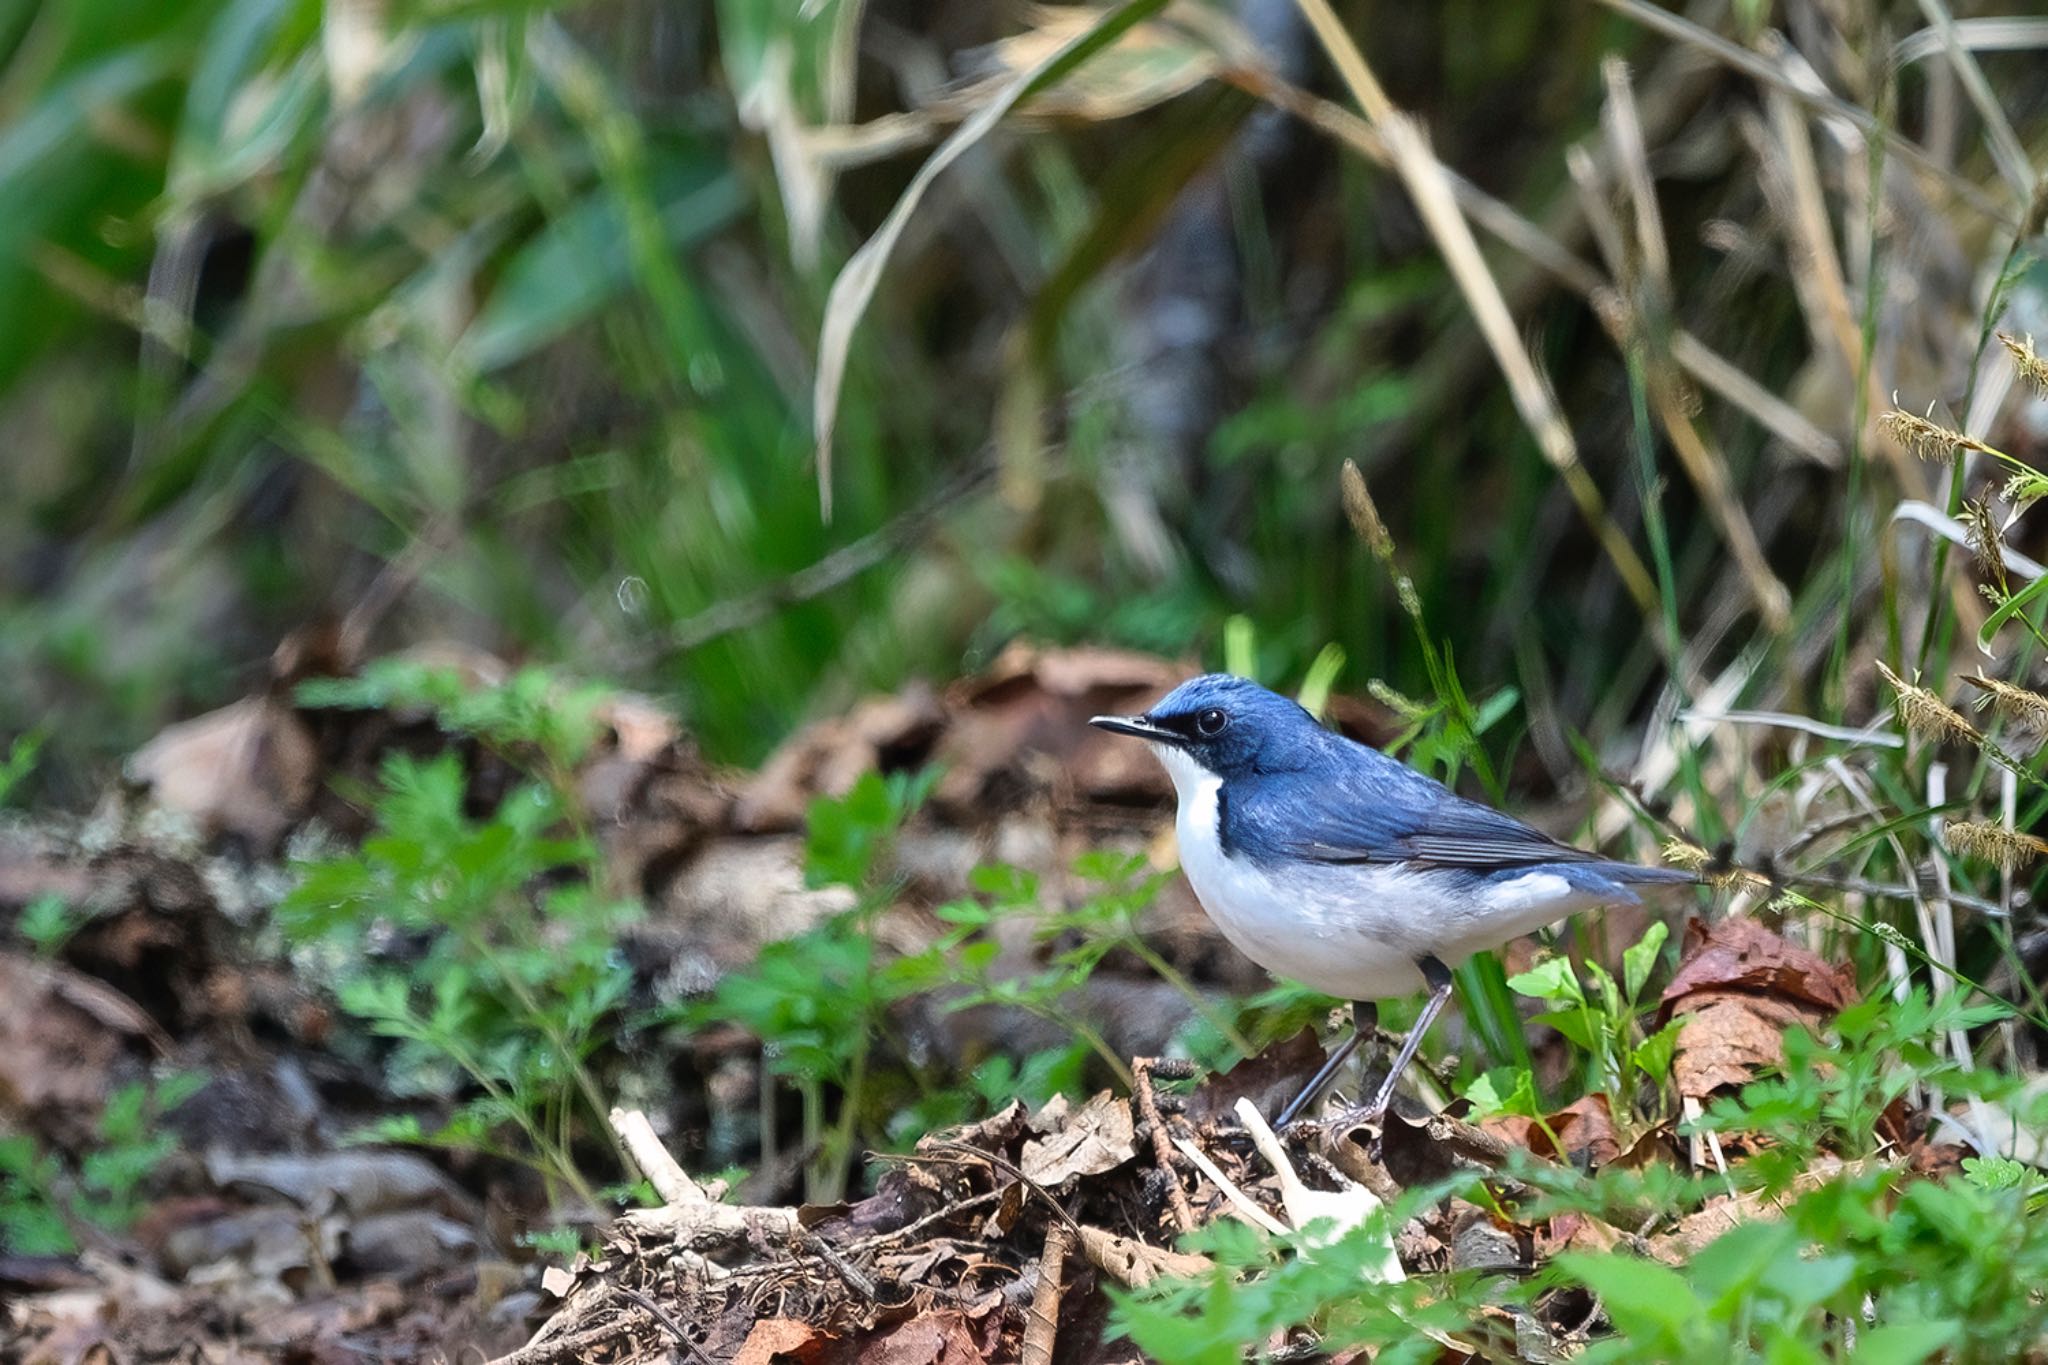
x=1325, y=861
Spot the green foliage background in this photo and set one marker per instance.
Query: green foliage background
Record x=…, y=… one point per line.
x=501, y=316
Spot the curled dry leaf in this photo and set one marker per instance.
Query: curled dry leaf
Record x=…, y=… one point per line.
x=1741, y=954
x=63, y=1036
x=1135, y=1264
x=1100, y=1137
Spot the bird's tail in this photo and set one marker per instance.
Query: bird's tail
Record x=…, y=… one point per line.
x=1635, y=874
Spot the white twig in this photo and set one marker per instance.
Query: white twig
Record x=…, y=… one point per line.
x=669, y=1179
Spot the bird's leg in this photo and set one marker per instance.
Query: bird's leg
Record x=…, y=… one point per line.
x=1365, y=1020
x=1439, y=978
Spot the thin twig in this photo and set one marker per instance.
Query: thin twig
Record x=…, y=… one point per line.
x=1000, y=1163
x=1162, y=1145
x=1042, y=1324
x=855, y=1280
x=661, y=1316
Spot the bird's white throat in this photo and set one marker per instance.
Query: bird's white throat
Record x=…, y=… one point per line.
x=1192, y=783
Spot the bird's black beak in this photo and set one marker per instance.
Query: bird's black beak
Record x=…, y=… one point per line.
x=1139, y=727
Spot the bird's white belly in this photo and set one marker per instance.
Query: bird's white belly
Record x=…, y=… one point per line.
x=1355, y=931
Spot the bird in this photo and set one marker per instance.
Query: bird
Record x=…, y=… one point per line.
x=1325, y=861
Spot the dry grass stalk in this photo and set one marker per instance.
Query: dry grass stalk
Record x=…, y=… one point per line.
x=1927, y=715
x=1430, y=185
x=2024, y=710
x=1769, y=73
x=2027, y=361
x=2008, y=848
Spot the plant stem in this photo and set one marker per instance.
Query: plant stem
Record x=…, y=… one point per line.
x=1175, y=978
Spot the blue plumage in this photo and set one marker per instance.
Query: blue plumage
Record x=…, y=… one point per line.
x=1325, y=860
x=1295, y=790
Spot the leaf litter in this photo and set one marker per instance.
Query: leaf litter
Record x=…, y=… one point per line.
x=275, y=1241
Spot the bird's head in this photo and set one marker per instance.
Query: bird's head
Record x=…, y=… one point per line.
x=1222, y=725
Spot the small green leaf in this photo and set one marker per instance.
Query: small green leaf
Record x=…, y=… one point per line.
x=2009, y=608
x=1994, y=1172
x=1654, y=1054
x=1504, y=1090
x=1551, y=979
x=1641, y=959
x=1577, y=1025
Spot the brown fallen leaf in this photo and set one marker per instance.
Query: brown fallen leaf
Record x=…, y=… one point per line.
x=938, y=1338
x=1584, y=1130
x=1739, y=987
x=1100, y=1137
x=1269, y=1080
x=360, y=1180
x=1021, y=725
x=1575, y=1232
x=1741, y=954
x=998, y=1132
x=247, y=770
x=777, y=1339
x=886, y=733
x=1724, y=1040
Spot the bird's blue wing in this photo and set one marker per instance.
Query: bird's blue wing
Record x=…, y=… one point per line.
x=1371, y=809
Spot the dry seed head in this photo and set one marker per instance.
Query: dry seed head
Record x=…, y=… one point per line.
x=1924, y=437
x=1405, y=707
x=2008, y=848
x=2027, y=361
x=1928, y=715
x=1364, y=515
x=2026, y=711
x=1788, y=903
x=1681, y=854
x=1987, y=545
x=1692, y=858
x=2022, y=490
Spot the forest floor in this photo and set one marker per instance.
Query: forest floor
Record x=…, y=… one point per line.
x=189, y=1086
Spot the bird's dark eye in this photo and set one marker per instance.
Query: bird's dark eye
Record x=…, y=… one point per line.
x=1211, y=722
